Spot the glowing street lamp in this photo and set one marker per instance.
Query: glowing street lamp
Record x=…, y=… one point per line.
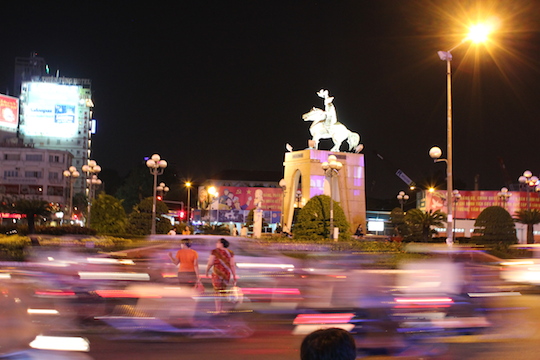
x=156, y=166
x=188, y=187
x=504, y=195
x=91, y=170
x=477, y=33
x=72, y=174
x=529, y=181
x=331, y=170
x=402, y=197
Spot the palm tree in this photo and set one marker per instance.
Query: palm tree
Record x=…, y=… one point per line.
x=31, y=208
x=421, y=223
x=530, y=218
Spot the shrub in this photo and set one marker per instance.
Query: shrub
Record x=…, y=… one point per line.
x=495, y=225
x=13, y=247
x=314, y=220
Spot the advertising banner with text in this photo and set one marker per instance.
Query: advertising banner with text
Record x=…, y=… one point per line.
x=472, y=203
x=9, y=112
x=240, y=198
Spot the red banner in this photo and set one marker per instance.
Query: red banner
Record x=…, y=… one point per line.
x=472, y=203
x=9, y=111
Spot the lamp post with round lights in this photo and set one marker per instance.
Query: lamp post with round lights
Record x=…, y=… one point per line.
x=162, y=189
x=91, y=170
x=72, y=174
x=402, y=198
x=283, y=185
x=331, y=169
x=188, y=188
x=435, y=153
x=528, y=180
x=456, y=196
x=156, y=165
x=504, y=196
x=213, y=194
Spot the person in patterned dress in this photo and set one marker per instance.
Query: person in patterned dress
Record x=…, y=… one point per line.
x=221, y=261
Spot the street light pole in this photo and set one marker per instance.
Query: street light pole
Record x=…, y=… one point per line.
x=91, y=170
x=72, y=174
x=504, y=195
x=331, y=170
x=477, y=33
x=188, y=187
x=402, y=197
x=528, y=180
x=156, y=166
x=457, y=196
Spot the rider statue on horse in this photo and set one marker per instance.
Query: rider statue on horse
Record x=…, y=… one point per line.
x=326, y=126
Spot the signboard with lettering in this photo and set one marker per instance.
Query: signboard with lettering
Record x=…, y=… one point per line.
x=241, y=198
x=472, y=203
x=9, y=112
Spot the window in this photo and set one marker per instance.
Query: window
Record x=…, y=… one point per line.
x=54, y=158
x=54, y=176
x=33, y=174
x=34, y=157
x=12, y=157
x=11, y=173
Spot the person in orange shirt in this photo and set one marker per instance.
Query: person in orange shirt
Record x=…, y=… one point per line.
x=187, y=261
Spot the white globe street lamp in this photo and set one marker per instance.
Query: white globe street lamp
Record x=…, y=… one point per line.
x=402, y=197
x=504, y=195
x=71, y=174
x=528, y=180
x=331, y=169
x=156, y=166
x=91, y=170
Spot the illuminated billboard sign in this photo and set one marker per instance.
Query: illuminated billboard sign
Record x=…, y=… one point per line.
x=240, y=198
x=9, y=112
x=472, y=203
x=50, y=110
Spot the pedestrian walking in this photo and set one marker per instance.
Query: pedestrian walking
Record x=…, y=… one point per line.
x=187, y=261
x=221, y=261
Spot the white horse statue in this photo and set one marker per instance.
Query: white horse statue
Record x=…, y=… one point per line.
x=326, y=126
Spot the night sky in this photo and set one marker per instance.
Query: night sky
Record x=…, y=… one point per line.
x=214, y=85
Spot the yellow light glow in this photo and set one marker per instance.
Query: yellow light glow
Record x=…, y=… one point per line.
x=479, y=33
x=431, y=190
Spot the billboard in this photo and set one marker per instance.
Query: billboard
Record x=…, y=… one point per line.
x=9, y=113
x=472, y=203
x=240, y=198
x=50, y=109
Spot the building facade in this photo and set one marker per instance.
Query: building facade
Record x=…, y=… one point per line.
x=27, y=172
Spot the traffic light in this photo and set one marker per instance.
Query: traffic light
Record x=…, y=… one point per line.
x=159, y=197
x=182, y=214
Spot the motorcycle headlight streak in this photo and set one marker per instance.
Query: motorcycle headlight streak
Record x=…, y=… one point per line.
x=268, y=266
x=61, y=343
x=86, y=275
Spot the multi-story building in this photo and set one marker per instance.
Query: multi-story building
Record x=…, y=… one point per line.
x=27, y=172
x=56, y=114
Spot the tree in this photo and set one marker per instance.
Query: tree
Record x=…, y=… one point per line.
x=140, y=220
x=529, y=218
x=108, y=215
x=421, y=224
x=397, y=218
x=314, y=220
x=31, y=208
x=495, y=225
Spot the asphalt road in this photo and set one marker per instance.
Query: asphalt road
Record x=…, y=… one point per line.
x=515, y=335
